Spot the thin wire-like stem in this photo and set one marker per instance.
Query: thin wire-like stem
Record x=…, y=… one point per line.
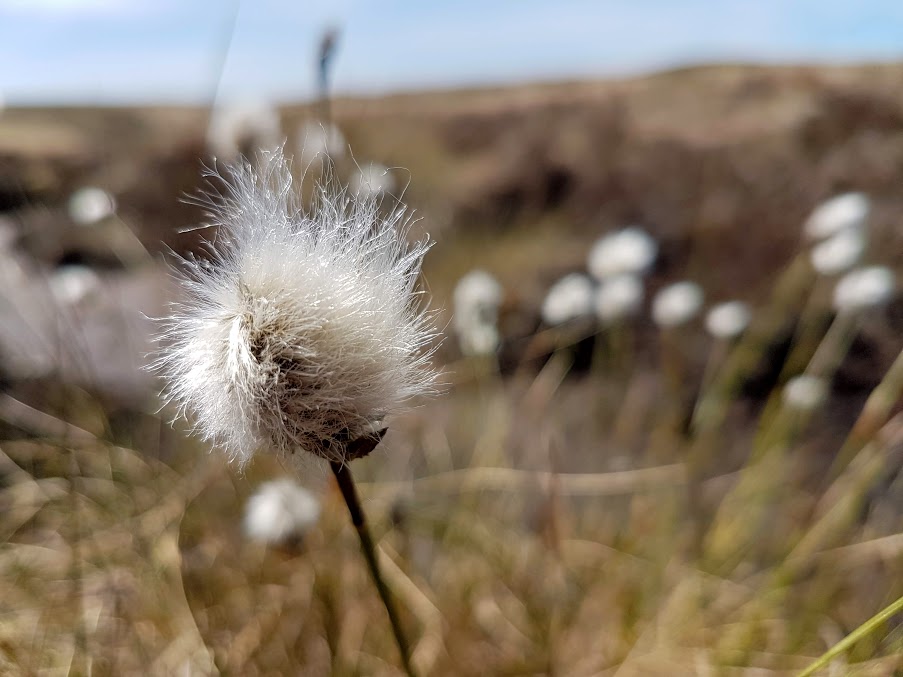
x=349, y=492
x=863, y=630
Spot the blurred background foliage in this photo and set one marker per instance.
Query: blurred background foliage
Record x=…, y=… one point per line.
x=561, y=509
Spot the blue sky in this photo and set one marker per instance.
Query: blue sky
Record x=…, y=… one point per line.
x=117, y=51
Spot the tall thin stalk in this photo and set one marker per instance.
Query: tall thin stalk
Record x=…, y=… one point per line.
x=345, y=481
x=863, y=630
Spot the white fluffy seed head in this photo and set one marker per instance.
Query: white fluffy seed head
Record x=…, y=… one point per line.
x=864, y=288
x=568, y=299
x=841, y=212
x=618, y=297
x=728, y=320
x=839, y=252
x=677, y=304
x=476, y=303
x=281, y=512
x=372, y=179
x=628, y=251
x=317, y=139
x=305, y=328
x=90, y=205
x=805, y=393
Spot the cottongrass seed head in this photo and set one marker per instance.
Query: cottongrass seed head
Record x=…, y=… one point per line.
x=569, y=299
x=618, y=297
x=628, y=251
x=281, y=512
x=305, y=328
x=677, y=304
x=477, y=297
x=805, y=392
x=864, y=288
x=728, y=320
x=836, y=214
x=838, y=253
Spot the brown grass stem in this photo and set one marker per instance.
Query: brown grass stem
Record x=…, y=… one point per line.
x=349, y=492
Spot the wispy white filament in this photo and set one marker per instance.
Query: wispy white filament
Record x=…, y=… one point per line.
x=848, y=210
x=372, y=179
x=319, y=139
x=280, y=512
x=628, y=251
x=305, y=328
x=476, y=299
x=677, y=304
x=728, y=320
x=618, y=297
x=864, y=288
x=569, y=299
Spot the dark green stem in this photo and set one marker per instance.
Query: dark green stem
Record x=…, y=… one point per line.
x=349, y=493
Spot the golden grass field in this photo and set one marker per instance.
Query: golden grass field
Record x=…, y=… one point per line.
x=585, y=502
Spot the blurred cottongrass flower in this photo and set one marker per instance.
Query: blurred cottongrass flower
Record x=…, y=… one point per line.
x=90, y=205
x=280, y=513
x=476, y=299
x=235, y=128
x=677, y=304
x=841, y=212
x=864, y=288
x=839, y=252
x=570, y=298
x=805, y=392
x=728, y=320
x=631, y=250
x=305, y=330
x=618, y=297
x=317, y=139
x=73, y=285
x=372, y=179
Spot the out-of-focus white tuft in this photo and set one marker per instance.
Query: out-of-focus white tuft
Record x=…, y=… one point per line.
x=281, y=512
x=839, y=252
x=618, y=297
x=372, y=179
x=628, y=251
x=316, y=139
x=73, y=285
x=677, y=304
x=305, y=329
x=242, y=128
x=569, y=299
x=841, y=212
x=477, y=297
x=864, y=288
x=90, y=205
x=728, y=320
x=805, y=392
